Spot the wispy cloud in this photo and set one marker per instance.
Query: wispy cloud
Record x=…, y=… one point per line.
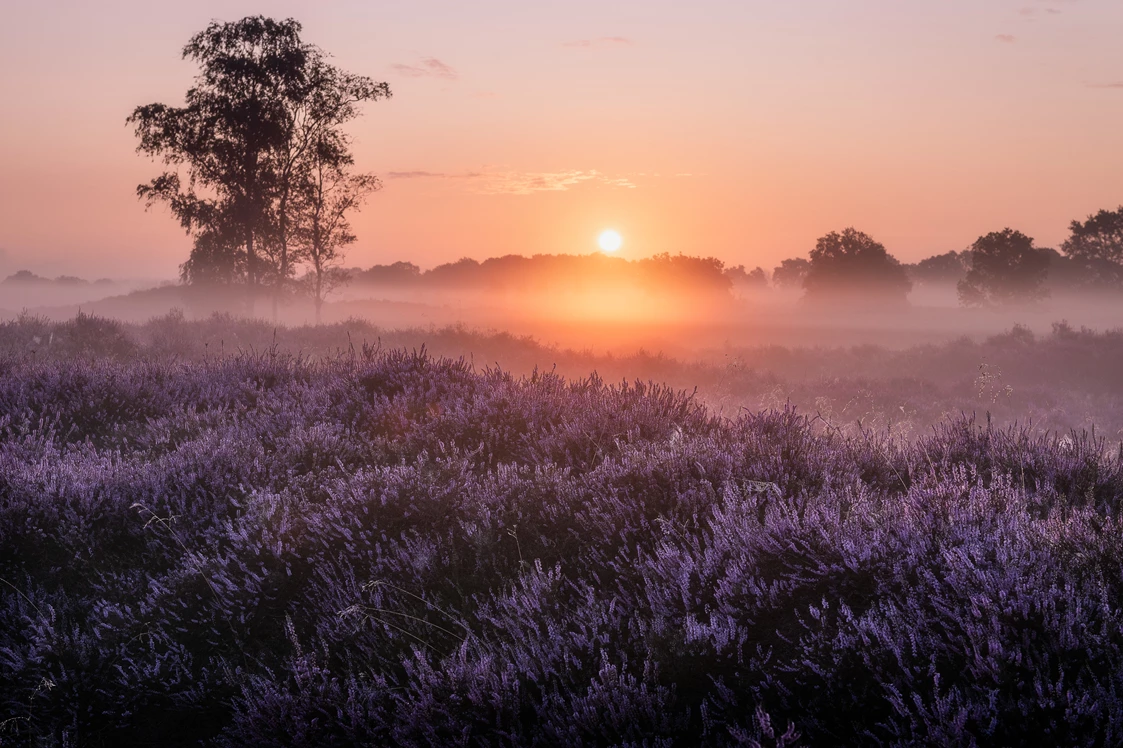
x=1030, y=11
x=432, y=175
x=415, y=175
x=428, y=67
x=525, y=183
x=604, y=41
x=1006, y=38
x=521, y=182
x=1113, y=84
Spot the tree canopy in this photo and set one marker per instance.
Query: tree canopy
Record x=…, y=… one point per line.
x=263, y=114
x=854, y=267
x=661, y=276
x=790, y=273
x=949, y=267
x=1005, y=268
x=1097, y=244
x=754, y=279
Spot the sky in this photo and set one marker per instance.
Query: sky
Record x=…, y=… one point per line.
x=740, y=130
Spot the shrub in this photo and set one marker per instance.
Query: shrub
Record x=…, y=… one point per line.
x=390, y=548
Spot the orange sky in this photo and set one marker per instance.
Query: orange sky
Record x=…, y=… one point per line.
x=742, y=130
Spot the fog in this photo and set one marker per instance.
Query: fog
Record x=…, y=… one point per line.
x=902, y=366
x=606, y=313
x=62, y=296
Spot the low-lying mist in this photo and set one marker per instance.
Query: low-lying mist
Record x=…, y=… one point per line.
x=601, y=318
x=1064, y=379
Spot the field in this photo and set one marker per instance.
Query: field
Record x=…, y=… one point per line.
x=369, y=545
x=1061, y=379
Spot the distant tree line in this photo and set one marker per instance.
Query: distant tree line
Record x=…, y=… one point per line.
x=669, y=274
x=850, y=267
x=1000, y=268
x=269, y=176
x=28, y=277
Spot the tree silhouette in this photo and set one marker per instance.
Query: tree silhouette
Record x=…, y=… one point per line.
x=853, y=267
x=217, y=258
x=315, y=174
x=662, y=276
x=1005, y=269
x=790, y=273
x=1097, y=245
x=755, y=278
x=325, y=197
x=685, y=274
x=397, y=274
x=262, y=98
x=25, y=276
x=949, y=267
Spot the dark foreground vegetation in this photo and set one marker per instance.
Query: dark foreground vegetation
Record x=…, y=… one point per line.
x=384, y=547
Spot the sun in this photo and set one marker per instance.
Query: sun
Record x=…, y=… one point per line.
x=610, y=241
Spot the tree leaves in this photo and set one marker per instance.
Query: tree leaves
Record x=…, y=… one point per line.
x=265, y=111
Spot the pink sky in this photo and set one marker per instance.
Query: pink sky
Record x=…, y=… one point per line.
x=742, y=130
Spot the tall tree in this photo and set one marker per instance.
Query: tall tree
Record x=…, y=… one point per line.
x=329, y=192
x=1005, y=268
x=316, y=155
x=233, y=118
x=244, y=136
x=1097, y=245
x=855, y=268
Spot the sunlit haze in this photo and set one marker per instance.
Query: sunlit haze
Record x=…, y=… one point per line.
x=739, y=130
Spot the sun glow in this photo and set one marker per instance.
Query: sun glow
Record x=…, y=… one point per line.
x=610, y=241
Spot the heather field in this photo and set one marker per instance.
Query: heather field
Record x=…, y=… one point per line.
x=1059, y=379
x=213, y=536
x=591, y=375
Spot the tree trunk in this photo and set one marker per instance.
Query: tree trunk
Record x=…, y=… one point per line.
x=249, y=212
x=318, y=291
x=251, y=272
x=283, y=270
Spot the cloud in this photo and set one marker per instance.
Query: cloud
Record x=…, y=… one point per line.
x=525, y=183
x=604, y=41
x=431, y=175
x=521, y=183
x=1006, y=38
x=1114, y=84
x=415, y=174
x=429, y=67
x=1030, y=12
